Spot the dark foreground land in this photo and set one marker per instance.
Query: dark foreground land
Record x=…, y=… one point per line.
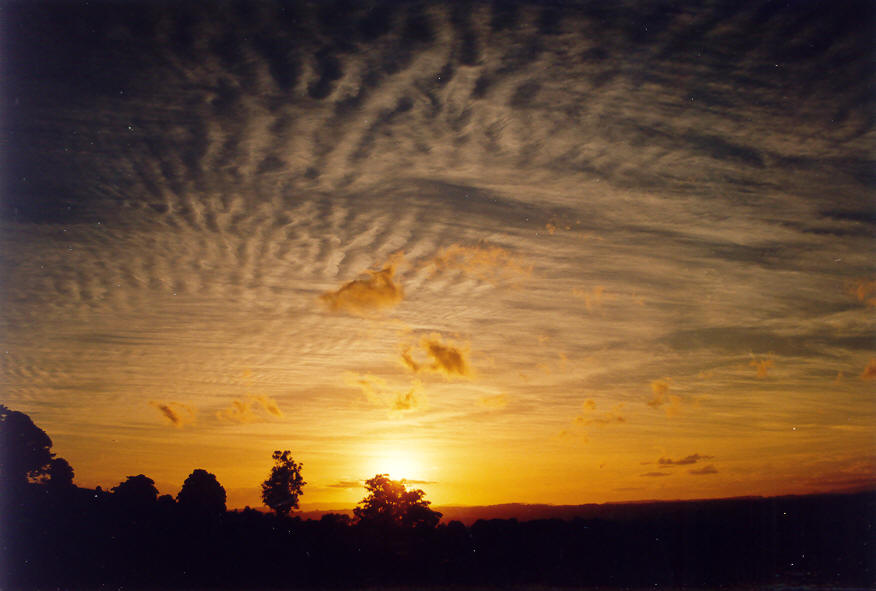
x=80, y=538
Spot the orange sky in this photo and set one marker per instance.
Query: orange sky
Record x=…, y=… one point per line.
x=573, y=266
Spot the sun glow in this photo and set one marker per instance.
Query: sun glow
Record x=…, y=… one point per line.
x=398, y=463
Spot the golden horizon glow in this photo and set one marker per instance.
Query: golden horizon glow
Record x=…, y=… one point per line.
x=397, y=463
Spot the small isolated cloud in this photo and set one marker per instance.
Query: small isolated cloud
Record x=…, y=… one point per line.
x=691, y=459
x=362, y=296
x=378, y=393
x=347, y=484
x=496, y=401
x=250, y=410
x=611, y=417
x=655, y=474
x=440, y=357
x=762, y=366
x=869, y=372
x=177, y=413
x=488, y=263
x=406, y=401
x=419, y=482
x=710, y=469
x=593, y=298
x=865, y=292
x=661, y=398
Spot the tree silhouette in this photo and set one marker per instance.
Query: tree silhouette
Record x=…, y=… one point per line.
x=136, y=491
x=282, y=488
x=24, y=448
x=389, y=504
x=201, y=493
x=60, y=474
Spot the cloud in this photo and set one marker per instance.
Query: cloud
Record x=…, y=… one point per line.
x=347, y=484
x=240, y=411
x=662, y=398
x=655, y=474
x=407, y=401
x=593, y=299
x=692, y=459
x=361, y=296
x=488, y=263
x=762, y=366
x=855, y=475
x=865, y=292
x=710, y=469
x=448, y=358
x=270, y=405
x=869, y=372
x=378, y=393
x=494, y=402
x=177, y=413
x=371, y=386
x=409, y=481
x=246, y=410
x=611, y=417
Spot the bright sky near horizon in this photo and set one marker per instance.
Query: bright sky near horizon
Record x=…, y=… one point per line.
x=511, y=252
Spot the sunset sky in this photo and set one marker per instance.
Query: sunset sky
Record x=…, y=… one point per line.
x=547, y=253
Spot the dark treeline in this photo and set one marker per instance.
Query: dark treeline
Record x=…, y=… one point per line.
x=86, y=538
x=57, y=535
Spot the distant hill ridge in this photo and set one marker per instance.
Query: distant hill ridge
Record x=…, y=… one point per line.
x=609, y=511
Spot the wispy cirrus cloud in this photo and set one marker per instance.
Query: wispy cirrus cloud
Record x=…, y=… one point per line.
x=304, y=162
x=593, y=298
x=488, y=263
x=590, y=417
x=347, y=484
x=495, y=401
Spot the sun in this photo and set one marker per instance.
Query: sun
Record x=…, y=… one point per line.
x=398, y=463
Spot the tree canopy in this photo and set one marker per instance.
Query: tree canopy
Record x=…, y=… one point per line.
x=60, y=473
x=136, y=491
x=202, y=493
x=25, y=449
x=280, y=491
x=389, y=504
